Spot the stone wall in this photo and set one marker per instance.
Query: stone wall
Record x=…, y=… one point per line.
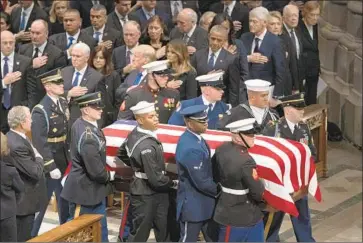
x=340, y=45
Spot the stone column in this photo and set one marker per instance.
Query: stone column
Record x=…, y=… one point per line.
x=340, y=45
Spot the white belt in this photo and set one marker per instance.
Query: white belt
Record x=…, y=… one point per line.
x=141, y=175
x=235, y=192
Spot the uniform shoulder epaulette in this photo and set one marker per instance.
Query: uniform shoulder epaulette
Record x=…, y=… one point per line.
x=41, y=107
x=88, y=133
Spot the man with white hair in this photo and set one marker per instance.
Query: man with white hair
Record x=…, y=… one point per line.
x=290, y=22
x=80, y=79
x=30, y=165
x=187, y=29
x=265, y=56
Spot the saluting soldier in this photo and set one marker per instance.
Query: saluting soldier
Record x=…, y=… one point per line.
x=212, y=87
x=197, y=191
x=256, y=107
x=150, y=186
x=166, y=100
x=238, y=209
x=49, y=134
x=292, y=127
x=87, y=184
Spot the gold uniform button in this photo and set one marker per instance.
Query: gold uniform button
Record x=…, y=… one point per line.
x=156, y=101
x=157, y=108
x=155, y=95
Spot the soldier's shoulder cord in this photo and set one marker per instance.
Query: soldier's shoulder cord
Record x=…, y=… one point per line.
x=88, y=135
x=41, y=107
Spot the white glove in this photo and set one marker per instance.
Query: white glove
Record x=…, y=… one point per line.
x=176, y=183
x=112, y=175
x=55, y=174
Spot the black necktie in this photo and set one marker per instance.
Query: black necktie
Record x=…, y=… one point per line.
x=257, y=48
x=59, y=106
x=128, y=58
x=36, y=53
x=292, y=36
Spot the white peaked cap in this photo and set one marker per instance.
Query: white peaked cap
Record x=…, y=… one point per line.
x=241, y=125
x=143, y=107
x=210, y=77
x=257, y=85
x=156, y=66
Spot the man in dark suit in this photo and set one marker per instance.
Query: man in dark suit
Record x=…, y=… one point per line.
x=117, y=18
x=102, y=33
x=143, y=54
x=238, y=13
x=45, y=57
x=29, y=164
x=22, y=17
x=80, y=79
x=187, y=29
x=290, y=23
x=85, y=5
x=265, y=55
x=14, y=73
x=149, y=9
x=122, y=56
x=310, y=56
x=49, y=135
x=214, y=57
x=173, y=8
x=72, y=25
x=273, y=5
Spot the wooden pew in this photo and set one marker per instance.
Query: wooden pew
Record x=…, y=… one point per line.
x=316, y=117
x=85, y=228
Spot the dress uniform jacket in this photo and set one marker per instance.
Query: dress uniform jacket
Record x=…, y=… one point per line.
x=213, y=117
x=87, y=182
x=144, y=153
x=302, y=133
x=166, y=101
x=234, y=169
x=49, y=132
x=244, y=111
x=197, y=190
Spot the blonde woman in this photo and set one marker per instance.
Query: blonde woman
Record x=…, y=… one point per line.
x=184, y=75
x=10, y=192
x=56, y=16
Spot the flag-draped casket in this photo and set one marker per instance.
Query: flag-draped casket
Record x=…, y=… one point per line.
x=285, y=166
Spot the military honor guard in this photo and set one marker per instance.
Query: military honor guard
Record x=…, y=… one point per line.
x=197, y=191
x=238, y=209
x=256, y=107
x=87, y=184
x=150, y=186
x=49, y=136
x=212, y=87
x=292, y=127
x=166, y=100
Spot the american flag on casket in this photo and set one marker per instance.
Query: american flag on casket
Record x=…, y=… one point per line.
x=284, y=165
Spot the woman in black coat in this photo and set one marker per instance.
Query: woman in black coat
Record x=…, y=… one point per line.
x=10, y=193
x=101, y=61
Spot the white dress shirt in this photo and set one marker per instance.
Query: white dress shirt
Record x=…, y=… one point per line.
x=197, y=135
x=310, y=28
x=82, y=72
x=10, y=65
x=75, y=39
x=40, y=49
x=148, y=14
x=101, y=31
x=216, y=54
x=258, y=113
x=190, y=33
x=261, y=37
x=131, y=52
x=120, y=17
x=291, y=125
x=27, y=14
x=56, y=101
x=230, y=7
x=172, y=7
x=206, y=102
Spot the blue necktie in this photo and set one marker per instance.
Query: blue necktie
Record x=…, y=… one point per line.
x=257, y=48
x=22, y=21
x=211, y=61
x=7, y=90
x=70, y=41
x=97, y=36
x=138, y=78
x=210, y=108
x=75, y=81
